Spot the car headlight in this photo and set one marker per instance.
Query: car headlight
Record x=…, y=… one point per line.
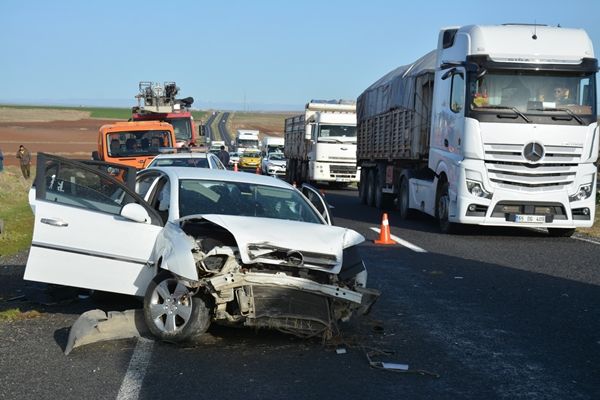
x=476, y=189
x=583, y=193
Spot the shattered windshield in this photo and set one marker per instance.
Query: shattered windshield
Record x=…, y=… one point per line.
x=534, y=92
x=243, y=199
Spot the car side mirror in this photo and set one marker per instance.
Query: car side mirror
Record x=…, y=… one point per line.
x=135, y=212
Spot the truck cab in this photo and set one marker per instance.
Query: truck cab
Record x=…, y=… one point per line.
x=133, y=144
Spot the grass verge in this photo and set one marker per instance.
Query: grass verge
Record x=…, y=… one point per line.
x=15, y=211
x=15, y=314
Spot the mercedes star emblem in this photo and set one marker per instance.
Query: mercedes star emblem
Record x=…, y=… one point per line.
x=533, y=152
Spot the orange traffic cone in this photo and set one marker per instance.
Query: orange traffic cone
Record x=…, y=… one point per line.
x=235, y=168
x=258, y=170
x=384, y=233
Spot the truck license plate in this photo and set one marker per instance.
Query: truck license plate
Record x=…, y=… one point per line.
x=342, y=179
x=530, y=218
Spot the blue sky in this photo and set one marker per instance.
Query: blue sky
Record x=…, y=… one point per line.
x=273, y=54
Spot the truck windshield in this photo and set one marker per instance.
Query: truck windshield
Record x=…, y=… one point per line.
x=247, y=143
x=137, y=143
x=336, y=131
x=182, y=128
x=534, y=92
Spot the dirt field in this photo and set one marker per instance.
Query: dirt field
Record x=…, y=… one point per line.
x=69, y=138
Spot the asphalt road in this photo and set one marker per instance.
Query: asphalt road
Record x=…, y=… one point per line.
x=223, y=131
x=207, y=127
x=496, y=313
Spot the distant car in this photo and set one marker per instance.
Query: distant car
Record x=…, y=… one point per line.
x=234, y=157
x=197, y=160
x=274, y=164
x=250, y=159
x=200, y=246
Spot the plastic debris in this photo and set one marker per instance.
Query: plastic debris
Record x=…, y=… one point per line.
x=97, y=326
x=340, y=350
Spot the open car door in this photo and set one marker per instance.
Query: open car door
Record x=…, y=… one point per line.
x=90, y=229
x=313, y=195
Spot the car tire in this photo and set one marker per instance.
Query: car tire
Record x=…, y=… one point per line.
x=561, y=232
x=172, y=312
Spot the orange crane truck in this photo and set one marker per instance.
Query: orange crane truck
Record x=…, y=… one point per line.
x=135, y=143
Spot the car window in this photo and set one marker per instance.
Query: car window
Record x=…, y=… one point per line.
x=73, y=185
x=243, y=199
x=194, y=162
x=144, y=183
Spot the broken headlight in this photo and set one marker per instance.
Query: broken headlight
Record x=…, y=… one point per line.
x=214, y=263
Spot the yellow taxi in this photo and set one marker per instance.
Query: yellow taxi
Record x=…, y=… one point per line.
x=250, y=159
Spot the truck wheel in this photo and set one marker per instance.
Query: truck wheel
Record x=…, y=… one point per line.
x=403, y=200
x=171, y=311
x=561, y=232
x=442, y=210
x=362, y=188
x=371, y=183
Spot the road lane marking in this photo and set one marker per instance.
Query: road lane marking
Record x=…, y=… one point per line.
x=132, y=382
x=403, y=242
x=584, y=239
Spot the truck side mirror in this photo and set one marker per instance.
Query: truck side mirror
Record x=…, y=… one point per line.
x=308, y=132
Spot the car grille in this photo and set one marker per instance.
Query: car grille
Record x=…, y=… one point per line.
x=507, y=167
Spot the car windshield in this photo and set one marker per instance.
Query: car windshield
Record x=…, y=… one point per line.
x=137, y=143
x=251, y=155
x=194, y=162
x=533, y=91
x=243, y=199
x=276, y=157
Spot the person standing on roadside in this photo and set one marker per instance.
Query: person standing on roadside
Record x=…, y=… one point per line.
x=1, y=161
x=224, y=156
x=24, y=160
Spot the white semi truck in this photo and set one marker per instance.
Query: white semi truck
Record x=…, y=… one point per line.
x=320, y=144
x=246, y=139
x=497, y=126
x=272, y=144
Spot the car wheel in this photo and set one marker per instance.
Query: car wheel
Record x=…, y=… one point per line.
x=172, y=312
x=561, y=232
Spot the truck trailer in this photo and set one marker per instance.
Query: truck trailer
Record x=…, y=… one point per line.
x=497, y=126
x=320, y=144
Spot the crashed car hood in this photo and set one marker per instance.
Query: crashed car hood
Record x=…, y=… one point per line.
x=308, y=245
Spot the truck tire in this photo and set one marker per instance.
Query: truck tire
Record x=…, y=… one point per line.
x=561, y=232
x=371, y=187
x=403, y=200
x=442, y=209
x=362, y=187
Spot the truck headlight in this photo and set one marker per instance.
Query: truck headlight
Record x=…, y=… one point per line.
x=476, y=189
x=583, y=193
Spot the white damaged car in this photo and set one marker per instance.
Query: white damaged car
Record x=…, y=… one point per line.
x=200, y=246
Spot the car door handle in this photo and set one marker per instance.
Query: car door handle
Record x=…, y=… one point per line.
x=54, y=222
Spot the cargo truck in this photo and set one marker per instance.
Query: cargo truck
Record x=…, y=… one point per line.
x=246, y=139
x=497, y=126
x=272, y=144
x=320, y=144
x=134, y=143
x=158, y=102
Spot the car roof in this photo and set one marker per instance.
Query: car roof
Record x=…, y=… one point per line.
x=179, y=173
x=181, y=155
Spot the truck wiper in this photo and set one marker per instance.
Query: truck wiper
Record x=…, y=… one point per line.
x=571, y=113
x=515, y=109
